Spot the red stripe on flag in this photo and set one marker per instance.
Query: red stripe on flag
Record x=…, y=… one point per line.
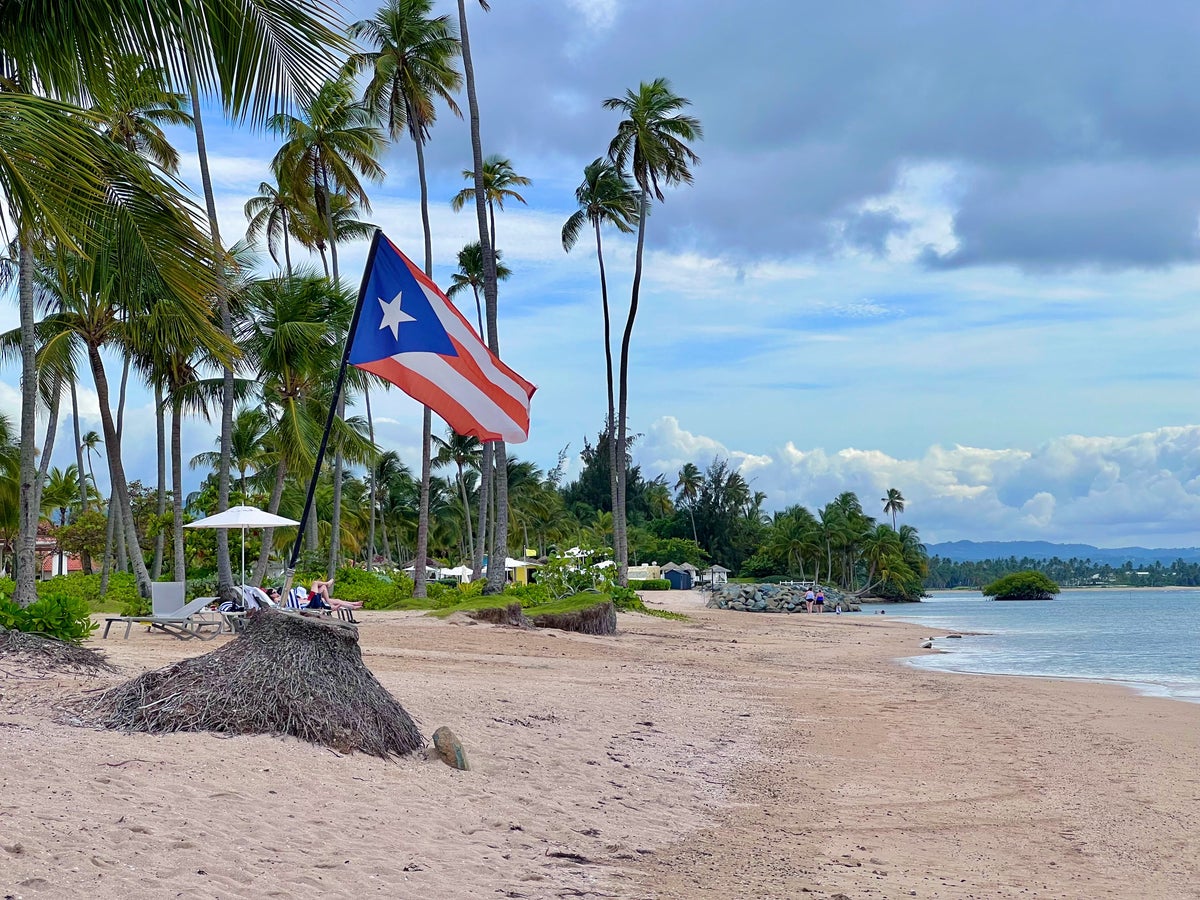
x=466, y=365
x=430, y=394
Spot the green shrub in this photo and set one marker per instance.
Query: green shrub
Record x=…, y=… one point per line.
x=373, y=590
x=1027, y=585
x=60, y=616
x=528, y=594
x=650, y=584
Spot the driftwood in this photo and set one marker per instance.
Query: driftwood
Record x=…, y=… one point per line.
x=283, y=674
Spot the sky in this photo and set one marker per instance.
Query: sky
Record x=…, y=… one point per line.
x=951, y=248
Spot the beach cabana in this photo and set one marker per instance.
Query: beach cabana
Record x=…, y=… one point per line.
x=681, y=577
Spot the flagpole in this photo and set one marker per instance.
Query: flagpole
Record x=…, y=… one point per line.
x=290, y=572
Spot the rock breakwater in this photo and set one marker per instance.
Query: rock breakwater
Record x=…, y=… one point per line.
x=774, y=598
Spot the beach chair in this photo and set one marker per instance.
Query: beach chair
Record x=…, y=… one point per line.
x=170, y=615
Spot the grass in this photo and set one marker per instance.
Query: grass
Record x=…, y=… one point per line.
x=558, y=607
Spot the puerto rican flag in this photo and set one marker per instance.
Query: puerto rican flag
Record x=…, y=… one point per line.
x=408, y=332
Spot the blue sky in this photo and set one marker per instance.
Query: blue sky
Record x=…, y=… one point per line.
x=944, y=247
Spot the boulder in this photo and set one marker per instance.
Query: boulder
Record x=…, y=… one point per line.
x=449, y=749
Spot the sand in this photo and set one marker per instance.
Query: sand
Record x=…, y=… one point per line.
x=733, y=755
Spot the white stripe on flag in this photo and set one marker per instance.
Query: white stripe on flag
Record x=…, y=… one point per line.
x=466, y=336
x=475, y=401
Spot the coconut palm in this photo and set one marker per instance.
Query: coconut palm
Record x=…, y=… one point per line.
x=254, y=53
x=497, y=458
x=311, y=232
x=687, y=488
x=463, y=452
x=271, y=212
x=606, y=197
x=292, y=331
x=411, y=66
x=133, y=104
x=652, y=144
x=893, y=503
x=326, y=149
x=499, y=178
x=470, y=275
x=61, y=491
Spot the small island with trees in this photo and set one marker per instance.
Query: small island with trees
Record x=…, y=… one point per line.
x=1028, y=585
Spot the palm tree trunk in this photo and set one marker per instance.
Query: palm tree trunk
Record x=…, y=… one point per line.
x=124, y=551
x=224, y=566
x=287, y=245
x=462, y=487
x=161, y=506
x=51, y=436
x=608, y=364
x=27, y=515
x=485, y=500
x=112, y=446
x=177, y=486
x=619, y=521
x=268, y=536
x=335, y=532
x=85, y=558
x=111, y=516
x=371, y=491
x=479, y=313
x=419, y=574
x=335, y=517
x=487, y=246
x=495, y=582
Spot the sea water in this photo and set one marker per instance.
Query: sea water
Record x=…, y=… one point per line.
x=1146, y=639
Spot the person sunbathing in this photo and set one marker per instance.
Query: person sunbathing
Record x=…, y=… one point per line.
x=319, y=598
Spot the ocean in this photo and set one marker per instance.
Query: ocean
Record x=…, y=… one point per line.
x=1148, y=640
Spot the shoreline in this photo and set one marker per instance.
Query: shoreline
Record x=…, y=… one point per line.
x=731, y=755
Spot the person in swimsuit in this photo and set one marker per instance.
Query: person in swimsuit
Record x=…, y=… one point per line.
x=808, y=598
x=820, y=601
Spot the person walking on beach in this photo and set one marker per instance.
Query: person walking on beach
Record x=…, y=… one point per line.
x=809, y=596
x=820, y=600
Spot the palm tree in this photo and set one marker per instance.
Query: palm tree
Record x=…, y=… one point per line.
x=133, y=104
x=411, y=66
x=464, y=453
x=250, y=427
x=470, y=275
x=893, y=503
x=327, y=147
x=651, y=142
x=311, y=232
x=688, y=488
x=271, y=212
x=292, y=332
x=497, y=458
x=606, y=197
x=499, y=178
x=61, y=491
x=90, y=442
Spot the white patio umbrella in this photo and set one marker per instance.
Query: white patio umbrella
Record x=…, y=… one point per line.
x=242, y=517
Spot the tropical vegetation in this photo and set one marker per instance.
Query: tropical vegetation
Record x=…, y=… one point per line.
x=1028, y=585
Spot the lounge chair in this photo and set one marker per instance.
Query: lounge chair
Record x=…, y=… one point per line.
x=170, y=615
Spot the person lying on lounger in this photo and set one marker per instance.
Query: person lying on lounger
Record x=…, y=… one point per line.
x=319, y=598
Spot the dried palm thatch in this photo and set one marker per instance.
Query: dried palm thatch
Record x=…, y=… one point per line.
x=45, y=655
x=598, y=619
x=284, y=674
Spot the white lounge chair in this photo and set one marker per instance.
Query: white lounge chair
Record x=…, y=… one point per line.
x=171, y=615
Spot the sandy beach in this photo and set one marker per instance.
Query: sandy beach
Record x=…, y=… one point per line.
x=733, y=755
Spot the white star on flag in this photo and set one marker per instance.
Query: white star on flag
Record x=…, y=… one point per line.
x=393, y=315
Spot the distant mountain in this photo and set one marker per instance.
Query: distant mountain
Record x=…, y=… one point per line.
x=974, y=551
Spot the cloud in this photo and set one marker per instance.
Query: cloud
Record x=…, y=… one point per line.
x=1142, y=488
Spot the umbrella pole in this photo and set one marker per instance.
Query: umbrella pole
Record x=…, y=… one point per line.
x=243, y=556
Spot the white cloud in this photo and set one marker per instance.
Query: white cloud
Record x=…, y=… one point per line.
x=1142, y=488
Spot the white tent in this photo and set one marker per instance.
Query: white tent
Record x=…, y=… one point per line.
x=242, y=517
